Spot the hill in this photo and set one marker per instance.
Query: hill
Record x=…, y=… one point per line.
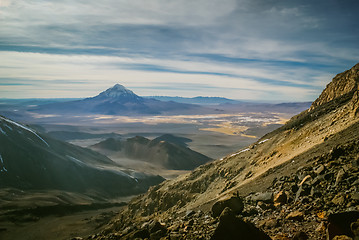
x=167, y=151
x=30, y=161
x=297, y=182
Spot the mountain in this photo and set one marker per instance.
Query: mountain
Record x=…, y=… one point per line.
x=69, y=135
x=119, y=100
x=196, y=100
x=119, y=93
x=166, y=151
x=174, y=139
x=30, y=161
x=298, y=182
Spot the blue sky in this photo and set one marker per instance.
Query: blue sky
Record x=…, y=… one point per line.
x=262, y=50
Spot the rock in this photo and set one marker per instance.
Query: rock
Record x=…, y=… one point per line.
x=314, y=192
x=250, y=211
x=175, y=236
x=355, y=229
x=145, y=225
x=317, y=180
x=157, y=235
x=296, y=216
x=305, y=180
x=234, y=203
x=339, y=177
x=190, y=222
x=281, y=236
x=340, y=224
x=280, y=198
x=355, y=196
x=342, y=237
x=262, y=196
x=304, y=190
x=322, y=214
x=320, y=228
x=142, y=234
x=355, y=162
x=156, y=226
x=294, y=188
x=338, y=199
x=190, y=213
x=300, y=236
x=336, y=152
x=319, y=170
x=264, y=206
x=231, y=227
x=269, y=223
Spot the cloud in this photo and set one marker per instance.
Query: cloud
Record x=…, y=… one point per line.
x=276, y=49
x=92, y=73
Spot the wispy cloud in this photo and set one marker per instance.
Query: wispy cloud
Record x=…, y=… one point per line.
x=255, y=49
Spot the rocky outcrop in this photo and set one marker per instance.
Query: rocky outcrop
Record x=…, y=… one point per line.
x=235, y=204
x=343, y=84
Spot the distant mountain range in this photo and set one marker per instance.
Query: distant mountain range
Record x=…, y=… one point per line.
x=167, y=151
x=119, y=100
x=67, y=135
x=30, y=161
x=196, y=100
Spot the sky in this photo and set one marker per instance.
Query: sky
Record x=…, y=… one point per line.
x=256, y=50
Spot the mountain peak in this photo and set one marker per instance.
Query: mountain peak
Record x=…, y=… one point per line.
x=343, y=85
x=119, y=91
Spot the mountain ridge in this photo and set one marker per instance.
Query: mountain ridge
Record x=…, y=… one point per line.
x=345, y=83
x=31, y=161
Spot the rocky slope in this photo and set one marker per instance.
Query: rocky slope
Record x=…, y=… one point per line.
x=166, y=151
x=297, y=182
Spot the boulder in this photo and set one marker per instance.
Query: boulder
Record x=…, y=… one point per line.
x=231, y=227
x=234, y=203
x=340, y=176
x=141, y=234
x=280, y=198
x=304, y=190
x=268, y=223
x=281, y=236
x=355, y=229
x=355, y=196
x=319, y=170
x=266, y=197
x=296, y=216
x=320, y=228
x=156, y=226
x=340, y=224
x=300, y=236
x=342, y=237
x=338, y=199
